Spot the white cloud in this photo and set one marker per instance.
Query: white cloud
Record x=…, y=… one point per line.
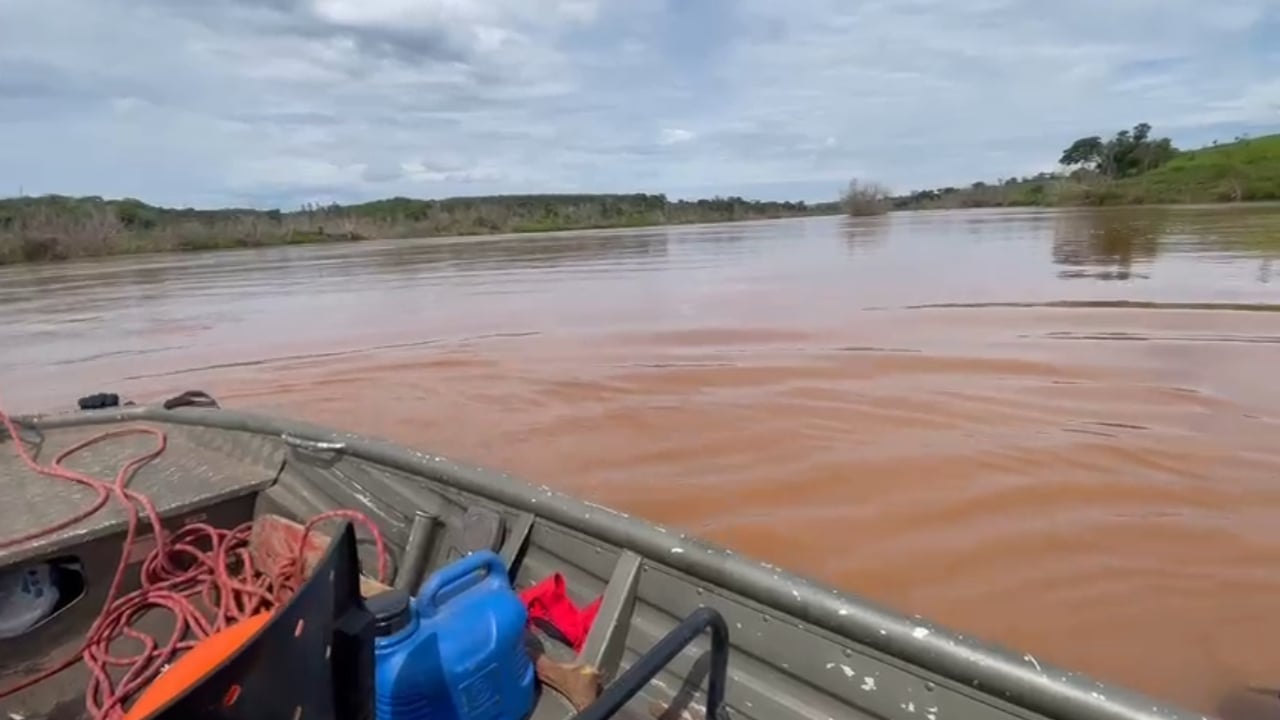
x=266, y=101
x=674, y=136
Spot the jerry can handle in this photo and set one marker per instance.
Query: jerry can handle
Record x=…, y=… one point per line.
x=463, y=569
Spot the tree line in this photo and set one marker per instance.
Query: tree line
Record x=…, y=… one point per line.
x=55, y=227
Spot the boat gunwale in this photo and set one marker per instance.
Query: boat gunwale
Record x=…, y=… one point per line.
x=983, y=669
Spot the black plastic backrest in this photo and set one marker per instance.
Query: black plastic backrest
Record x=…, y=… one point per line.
x=312, y=661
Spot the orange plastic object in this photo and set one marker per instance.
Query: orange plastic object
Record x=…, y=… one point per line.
x=195, y=665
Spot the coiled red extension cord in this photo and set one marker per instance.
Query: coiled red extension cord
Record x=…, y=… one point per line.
x=198, y=561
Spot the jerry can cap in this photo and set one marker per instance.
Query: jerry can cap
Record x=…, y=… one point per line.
x=391, y=612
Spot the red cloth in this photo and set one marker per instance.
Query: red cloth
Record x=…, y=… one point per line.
x=547, y=601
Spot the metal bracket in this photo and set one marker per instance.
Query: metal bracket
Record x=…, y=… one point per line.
x=417, y=551
x=517, y=540
x=608, y=637
x=312, y=445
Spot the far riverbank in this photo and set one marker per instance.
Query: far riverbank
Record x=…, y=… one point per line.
x=50, y=228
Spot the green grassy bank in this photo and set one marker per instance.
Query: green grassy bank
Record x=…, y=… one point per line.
x=1239, y=171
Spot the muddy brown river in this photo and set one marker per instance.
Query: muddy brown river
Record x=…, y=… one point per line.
x=1054, y=429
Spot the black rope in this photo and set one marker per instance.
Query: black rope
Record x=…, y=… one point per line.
x=191, y=398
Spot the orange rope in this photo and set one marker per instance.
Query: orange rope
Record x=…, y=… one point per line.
x=197, y=561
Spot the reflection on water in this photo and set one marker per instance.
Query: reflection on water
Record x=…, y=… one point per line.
x=863, y=234
x=1104, y=244
x=1053, y=429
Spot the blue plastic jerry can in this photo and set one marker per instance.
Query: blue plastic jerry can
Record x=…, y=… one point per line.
x=457, y=650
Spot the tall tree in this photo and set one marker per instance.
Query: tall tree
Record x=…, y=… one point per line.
x=1130, y=152
x=1086, y=152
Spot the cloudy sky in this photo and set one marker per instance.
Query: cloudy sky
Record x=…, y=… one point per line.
x=276, y=102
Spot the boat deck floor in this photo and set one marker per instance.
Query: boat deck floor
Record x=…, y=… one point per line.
x=187, y=475
x=192, y=480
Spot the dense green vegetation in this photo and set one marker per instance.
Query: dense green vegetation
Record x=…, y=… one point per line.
x=1128, y=154
x=1132, y=168
x=56, y=227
